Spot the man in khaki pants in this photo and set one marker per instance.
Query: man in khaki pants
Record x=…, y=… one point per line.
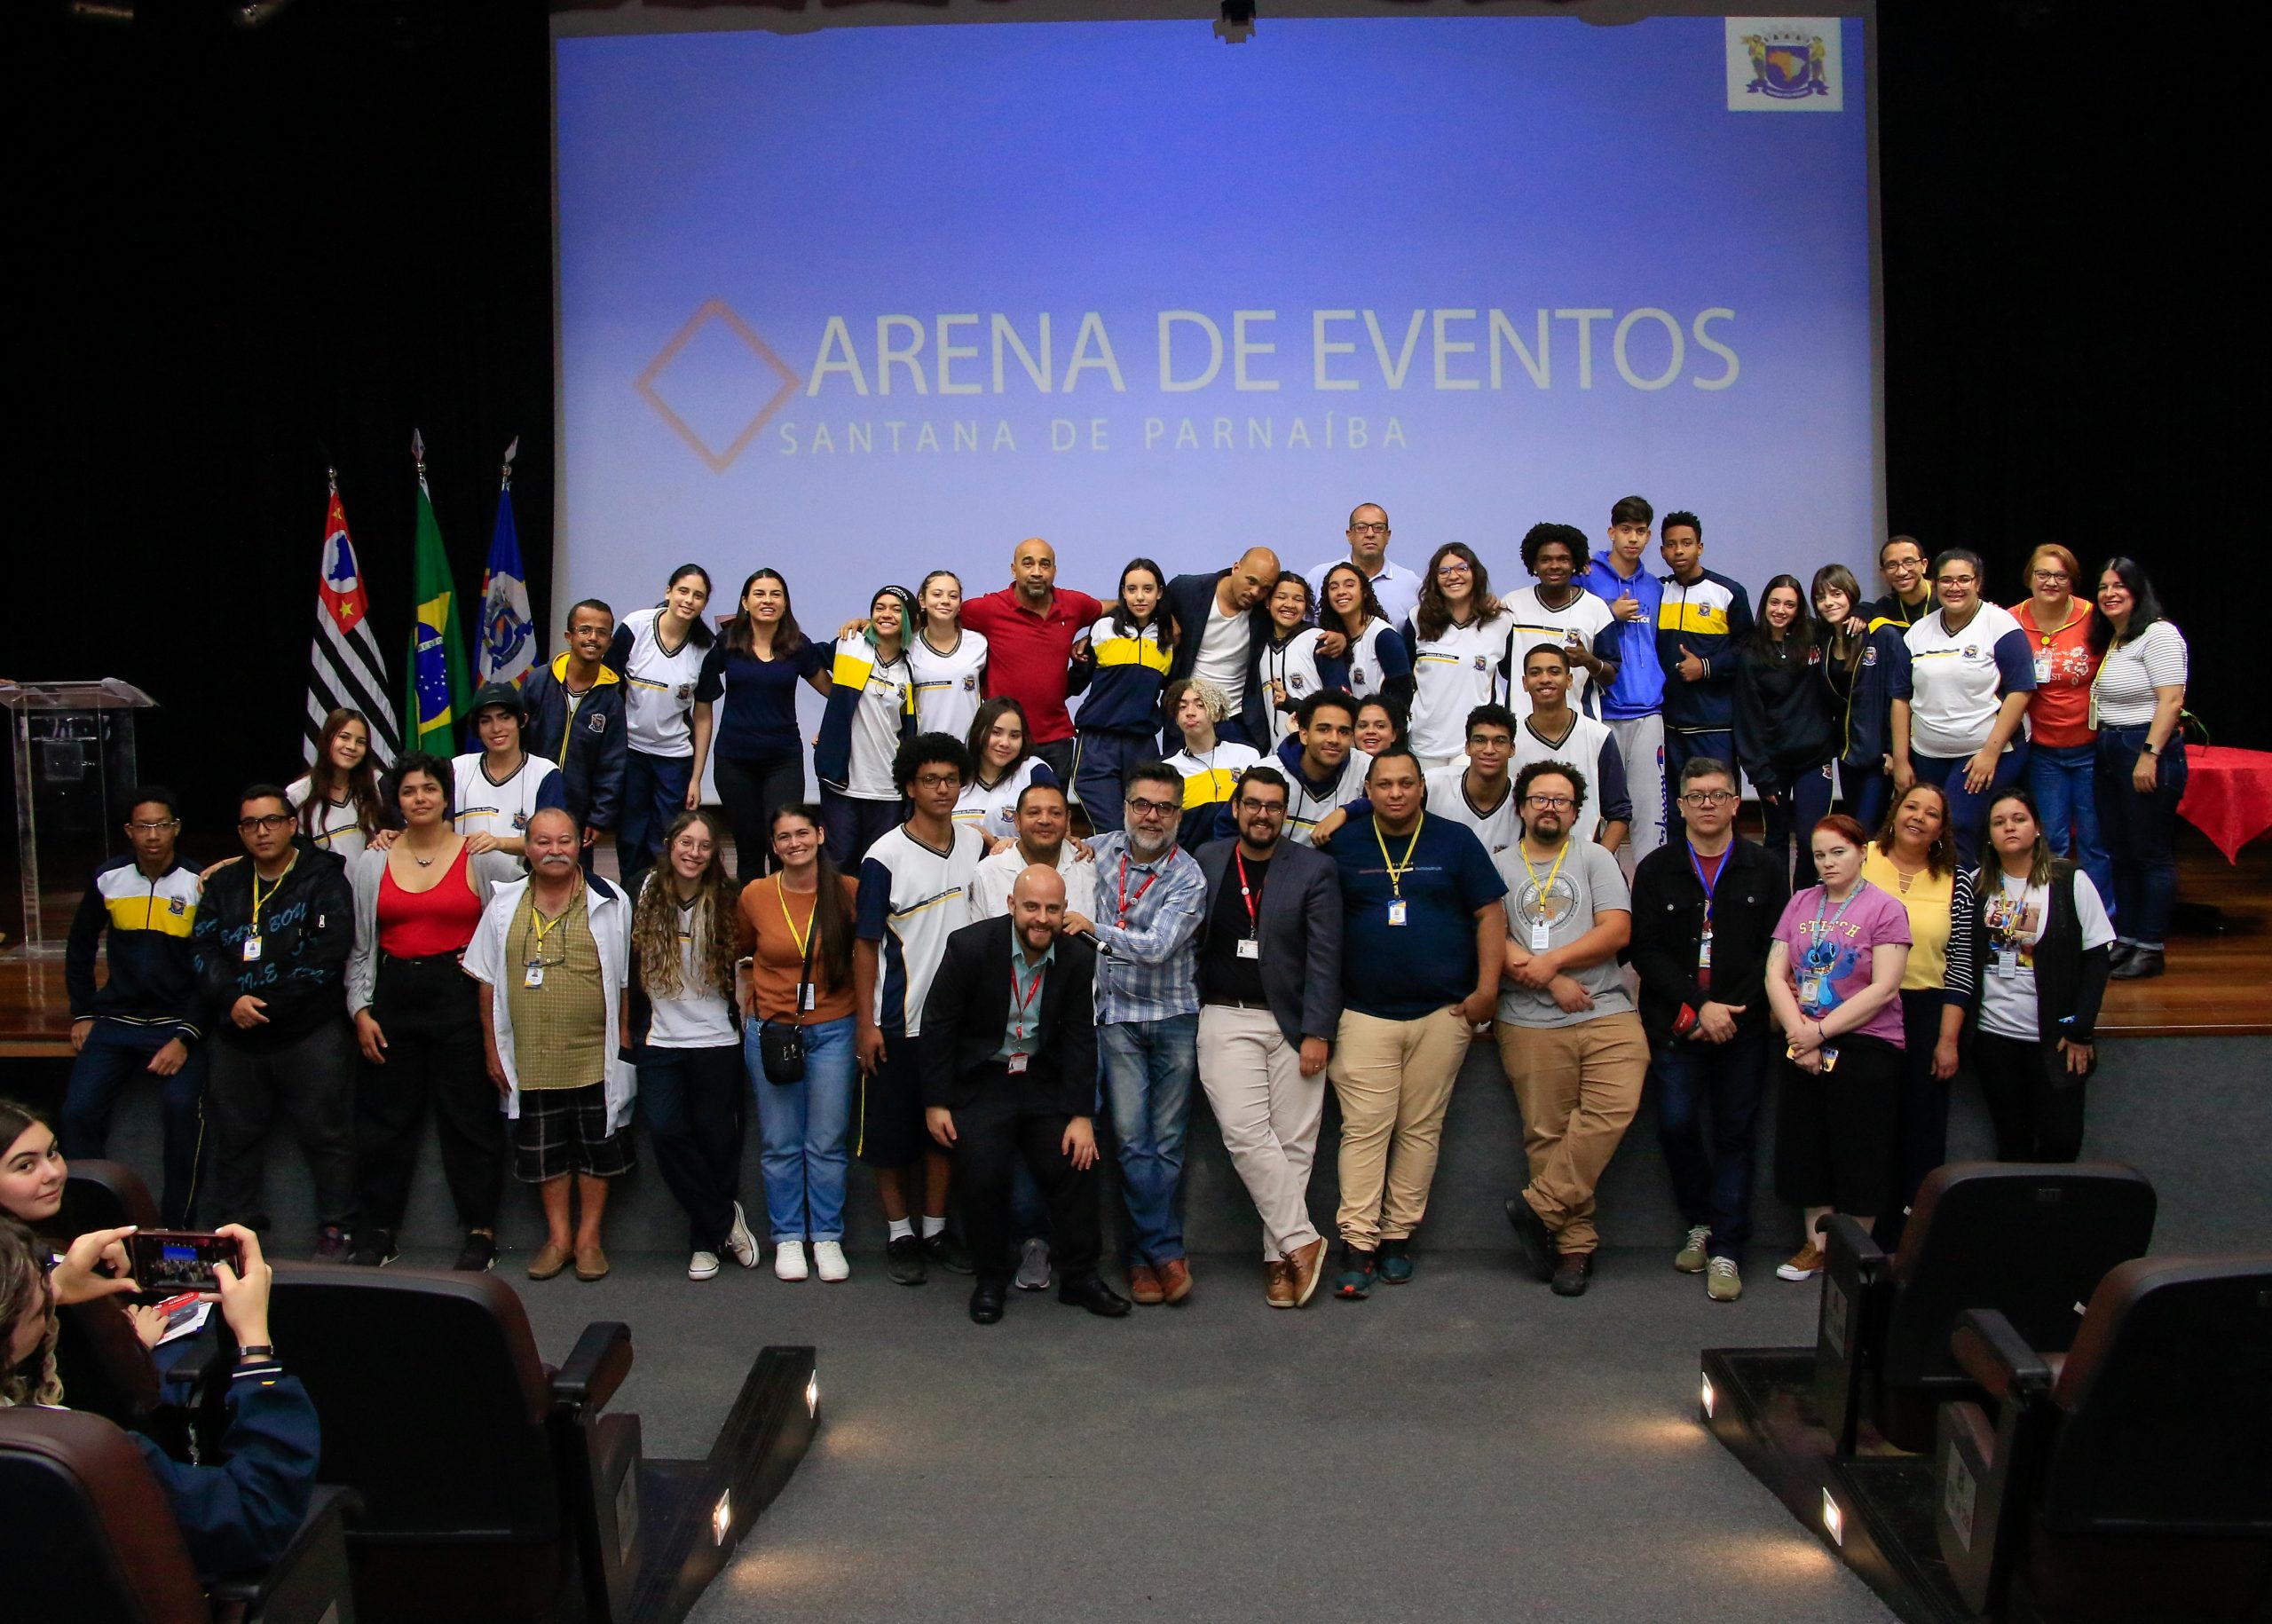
x=1568, y=1035
x=1423, y=940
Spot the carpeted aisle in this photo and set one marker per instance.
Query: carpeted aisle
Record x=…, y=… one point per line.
x=1467, y=1446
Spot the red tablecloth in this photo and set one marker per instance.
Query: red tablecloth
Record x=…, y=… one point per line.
x=2228, y=795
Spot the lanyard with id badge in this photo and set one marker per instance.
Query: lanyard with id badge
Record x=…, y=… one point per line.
x=536, y=964
x=1250, y=946
x=1024, y=997
x=1542, y=929
x=1812, y=980
x=252, y=945
x=1399, y=910
x=1711, y=888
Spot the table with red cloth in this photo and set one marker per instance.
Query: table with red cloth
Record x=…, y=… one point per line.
x=2228, y=795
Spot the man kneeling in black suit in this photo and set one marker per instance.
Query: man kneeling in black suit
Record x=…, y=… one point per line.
x=1009, y=1053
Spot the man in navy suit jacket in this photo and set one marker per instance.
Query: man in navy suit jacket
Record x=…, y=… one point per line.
x=1009, y=1055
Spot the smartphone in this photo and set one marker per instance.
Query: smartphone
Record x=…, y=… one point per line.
x=176, y=1260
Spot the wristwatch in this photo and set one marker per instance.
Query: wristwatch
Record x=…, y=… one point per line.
x=2148, y=749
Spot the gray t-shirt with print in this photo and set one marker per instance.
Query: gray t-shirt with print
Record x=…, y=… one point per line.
x=1567, y=899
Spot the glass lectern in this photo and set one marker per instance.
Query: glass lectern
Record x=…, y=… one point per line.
x=74, y=767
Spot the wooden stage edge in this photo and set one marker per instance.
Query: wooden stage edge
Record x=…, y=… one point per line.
x=2217, y=985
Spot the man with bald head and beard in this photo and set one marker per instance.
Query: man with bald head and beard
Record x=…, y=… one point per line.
x=1222, y=618
x=1009, y=1053
x=1030, y=627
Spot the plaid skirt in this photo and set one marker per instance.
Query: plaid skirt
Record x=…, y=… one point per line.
x=562, y=1131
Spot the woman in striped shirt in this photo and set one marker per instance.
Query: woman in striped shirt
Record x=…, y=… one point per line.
x=2139, y=697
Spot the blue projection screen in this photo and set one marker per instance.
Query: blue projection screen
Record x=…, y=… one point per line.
x=865, y=301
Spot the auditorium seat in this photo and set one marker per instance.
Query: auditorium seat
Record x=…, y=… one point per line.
x=88, y=1538
x=105, y=1196
x=492, y=1485
x=2131, y=1480
x=2029, y=1241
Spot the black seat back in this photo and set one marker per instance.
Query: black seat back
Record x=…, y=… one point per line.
x=2165, y=1403
x=432, y=1399
x=103, y=1195
x=87, y=1534
x=2031, y=1240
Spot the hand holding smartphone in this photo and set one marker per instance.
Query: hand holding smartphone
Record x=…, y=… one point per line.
x=177, y=1260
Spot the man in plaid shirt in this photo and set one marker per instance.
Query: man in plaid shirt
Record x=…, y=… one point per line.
x=1150, y=896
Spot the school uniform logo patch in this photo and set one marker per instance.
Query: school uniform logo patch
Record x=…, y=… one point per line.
x=597, y=724
x=175, y=904
x=1870, y=655
x=970, y=682
x=1481, y=662
x=685, y=692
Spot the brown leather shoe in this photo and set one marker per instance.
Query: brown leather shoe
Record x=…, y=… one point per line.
x=549, y=1261
x=1144, y=1285
x=1175, y=1281
x=1278, y=1283
x=591, y=1263
x=1306, y=1265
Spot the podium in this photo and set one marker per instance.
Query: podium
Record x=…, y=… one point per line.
x=74, y=744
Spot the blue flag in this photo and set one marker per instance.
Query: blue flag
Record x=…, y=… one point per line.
x=506, y=643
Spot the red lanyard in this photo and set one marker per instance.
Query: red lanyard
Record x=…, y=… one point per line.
x=1253, y=920
x=1126, y=900
x=1025, y=999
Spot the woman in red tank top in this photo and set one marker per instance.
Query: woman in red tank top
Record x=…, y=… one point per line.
x=418, y=1019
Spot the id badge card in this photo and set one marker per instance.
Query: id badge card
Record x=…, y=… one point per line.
x=1396, y=910
x=1017, y=1065
x=811, y=992
x=1250, y=948
x=2006, y=962
x=252, y=948
x=1542, y=937
x=2042, y=666
x=532, y=976
x=1810, y=990
x=1704, y=951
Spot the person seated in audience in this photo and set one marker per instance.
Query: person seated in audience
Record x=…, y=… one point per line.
x=238, y=1513
x=1209, y=763
x=576, y=718
x=140, y=1020
x=552, y=955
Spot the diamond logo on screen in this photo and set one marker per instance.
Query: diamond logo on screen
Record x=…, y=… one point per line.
x=716, y=382
x=1783, y=64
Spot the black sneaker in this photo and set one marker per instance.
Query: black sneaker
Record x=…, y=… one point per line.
x=331, y=1245
x=1575, y=1274
x=903, y=1258
x=949, y=1253
x=1535, y=1238
x=477, y=1253
x=374, y=1249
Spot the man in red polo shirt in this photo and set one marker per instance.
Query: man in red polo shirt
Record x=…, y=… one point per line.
x=1029, y=627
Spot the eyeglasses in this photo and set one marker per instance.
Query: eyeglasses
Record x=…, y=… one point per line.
x=1368, y=527
x=2048, y=575
x=1247, y=804
x=1707, y=798
x=1140, y=808
x=938, y=781
x=160, y=827
x=1550, y=803
x=264, y=822
x=1453, y=567
x=1957, y=580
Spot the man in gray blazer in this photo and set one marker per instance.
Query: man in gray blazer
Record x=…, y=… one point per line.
x=1270, y=1001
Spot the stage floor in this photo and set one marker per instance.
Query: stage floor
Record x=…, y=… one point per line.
x=2216, y=985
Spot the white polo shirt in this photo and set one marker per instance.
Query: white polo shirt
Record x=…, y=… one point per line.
x=947, y=685
x=1956, y=680
x=1576, y=625
x=1451, y=675
x=1396, y=587
x=482, y=806
x=659, y=688
x=1498, y=828
x=990, y=886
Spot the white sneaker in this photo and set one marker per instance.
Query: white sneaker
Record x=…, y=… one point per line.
x=828, y=1261
x=702, y=1266
x=789, y=1260
x=740, y=1242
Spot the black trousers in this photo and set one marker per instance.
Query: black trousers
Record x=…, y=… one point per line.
x=2038, y=1112
x=752, y=791
x=430, y=1012
x=1922, y=1137
x=692, y=1100
x=1011, y=1123
x=312, y=1076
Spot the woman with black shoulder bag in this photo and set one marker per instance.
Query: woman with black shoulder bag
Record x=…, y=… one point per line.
x=2041, y=959
x=681, y=1028
x=796, y=933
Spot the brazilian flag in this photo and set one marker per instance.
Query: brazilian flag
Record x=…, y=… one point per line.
x=436, y=665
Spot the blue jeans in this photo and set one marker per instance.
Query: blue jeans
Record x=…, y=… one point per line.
x=1149, y=1069
x=1101, y=774
x=803, y=1127
x=116, y=1052
x=1791, y=813
x=1712, y=1185
x=2062, y=778
x=654, y=793
x=1865, y=792
x=1968, y=810
x=2141, y=833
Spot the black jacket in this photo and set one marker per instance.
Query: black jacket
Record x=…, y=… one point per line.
x=2069, y=981
x=1784, y=724
x=1191, y=599
x=592, y=755
x=1668, y=926
x=307, y=931
x=969, y=1010
x=1299, y=924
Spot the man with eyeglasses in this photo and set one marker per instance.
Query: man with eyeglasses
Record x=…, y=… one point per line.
x=1703, y=909
x=1554, y=732
x=270, y=946
x=1423, y=938
x=140, y=1020
x=1909, y=598
x=1571, y=1044
x=1632, y=696
x=915, y=885
x=1150, y=897
x=1396, y=587
x=1270, y=996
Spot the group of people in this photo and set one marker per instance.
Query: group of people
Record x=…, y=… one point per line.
x=1340, y=823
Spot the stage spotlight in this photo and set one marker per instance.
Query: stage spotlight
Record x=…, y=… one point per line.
x=1235, y=26
x=812, y=1394
x=1834, y=1520
x=721, y=1518
x=1705, y=1395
